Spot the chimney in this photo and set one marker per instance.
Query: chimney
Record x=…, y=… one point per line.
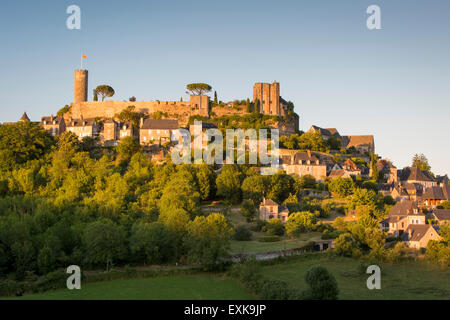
x=309, y=153
x=142, y=122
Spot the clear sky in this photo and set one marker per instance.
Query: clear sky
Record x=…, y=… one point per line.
x=393, y=83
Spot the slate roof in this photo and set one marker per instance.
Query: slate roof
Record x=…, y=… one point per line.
x=355, y=141
x=442, y=214
x=330, y=132
x=413, y=173
x=268, y=202
x=164, y=124
x=52, y=120
x=415, y=232
x=89, y=122
x=437, y=193
x=404, y=208
x=24, y=117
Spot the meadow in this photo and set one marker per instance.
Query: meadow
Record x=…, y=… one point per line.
x=399, y=281
x=179, y=287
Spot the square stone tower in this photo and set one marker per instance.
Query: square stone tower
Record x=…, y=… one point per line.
x=81, y=86
x=268, y=96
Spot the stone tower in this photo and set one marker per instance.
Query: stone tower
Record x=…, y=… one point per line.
x=268, y=96
x=81, y=86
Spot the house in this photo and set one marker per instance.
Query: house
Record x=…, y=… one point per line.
x=440, y=216
x=402, y=215
x=435, y=195
x=415, y=175
x=418, y=235
x=155, y=131
x=398, y=193
x=325, y=132
x=269, y=209
x=303, y=163
x=441, y=180
x=386, y=170
x=110, y=133
x=83, y=127
x=363, y=144
x=127, y=129
x=53, y=125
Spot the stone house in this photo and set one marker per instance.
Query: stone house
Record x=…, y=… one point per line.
x=415, y=175
x=53, y=125
x=418, y=235
x=110, y=133
x=435, y=195
x=127, y=129
x=440, y=216
x=303, y=163
x=363, y=144
x=402, y=215
x=269, y=209
x=83, y=127
x=155, y=131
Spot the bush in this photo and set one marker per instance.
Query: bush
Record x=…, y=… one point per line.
x=269, y=239
x=322, y=284
x=275, y=227
x=258, y=225
x=276, y=290
x=242, y=233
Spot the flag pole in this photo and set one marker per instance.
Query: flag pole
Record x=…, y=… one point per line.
x=81, y=62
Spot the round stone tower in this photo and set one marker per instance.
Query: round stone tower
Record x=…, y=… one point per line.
x=81, y=86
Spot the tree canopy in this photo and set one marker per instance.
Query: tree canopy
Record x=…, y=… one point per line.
x=104, y=91
x=198, y=88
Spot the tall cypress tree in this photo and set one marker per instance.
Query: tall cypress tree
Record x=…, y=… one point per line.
x=215, y=97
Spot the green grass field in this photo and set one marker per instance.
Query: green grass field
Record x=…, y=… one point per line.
x=197, y=287
x=284, y=243
x=409, y=280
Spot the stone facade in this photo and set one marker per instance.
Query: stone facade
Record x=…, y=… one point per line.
x=81, y=86
x=268, y=96
x=53, y=125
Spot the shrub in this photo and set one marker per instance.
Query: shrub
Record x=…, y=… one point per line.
x=275, y=227
x=242, y=233
x=322, y=284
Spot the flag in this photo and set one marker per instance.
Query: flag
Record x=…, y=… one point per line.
x=83, y=56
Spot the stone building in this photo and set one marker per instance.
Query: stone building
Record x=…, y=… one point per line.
x=269, y=209
x=303, y=163
x=53, y=125
x=155, y=131
x=268, y=96
x=418, y=235
x=83, y=127
x=402, y=215
x=81, y=86
x=110, y=133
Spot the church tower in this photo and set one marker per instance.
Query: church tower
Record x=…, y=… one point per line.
x=81, y=86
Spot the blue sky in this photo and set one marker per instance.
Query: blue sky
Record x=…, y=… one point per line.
x=393, y=83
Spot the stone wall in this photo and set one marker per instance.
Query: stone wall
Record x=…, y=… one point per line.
x=108, y=109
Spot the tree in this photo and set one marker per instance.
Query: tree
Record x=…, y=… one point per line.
x=208, y=240
x=104, y=242
x=129, y=115
x=61, y=112
x=242, y=233
x=150, y=242
x=322, y=284
x=341, y=187
x=21, y=142
x=253, y=188
x=421, y=162
x=215, y=97
x=95, y=95
x=127, y=147
x=228, y=183
x=299, y=222
x=312, y=141
x=248, y=209
x=198, y=88
x=206, y=181
x=46, y=260
x=256, y=106
x=104, y=91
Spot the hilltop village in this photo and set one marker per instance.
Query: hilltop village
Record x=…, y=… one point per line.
x=100, y=172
